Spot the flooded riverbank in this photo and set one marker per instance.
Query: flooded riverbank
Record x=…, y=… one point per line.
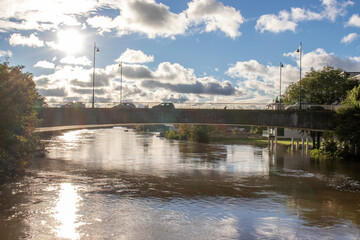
x=117, y=184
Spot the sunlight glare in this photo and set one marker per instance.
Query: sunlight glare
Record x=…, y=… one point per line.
x=65, y=212
x=71, y=137
x=70, y=41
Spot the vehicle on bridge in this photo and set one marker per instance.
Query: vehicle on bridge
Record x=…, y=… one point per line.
x=126, y=105
x=73, y=105
x=164, y=106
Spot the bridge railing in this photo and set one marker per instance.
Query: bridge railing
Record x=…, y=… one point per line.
x=238, y=105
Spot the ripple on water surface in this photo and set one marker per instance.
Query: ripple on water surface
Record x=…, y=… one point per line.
x=117, y=184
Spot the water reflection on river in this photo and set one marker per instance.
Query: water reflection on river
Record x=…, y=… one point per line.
x=117, y=184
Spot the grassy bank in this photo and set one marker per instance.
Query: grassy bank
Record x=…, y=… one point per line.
x=285, y=142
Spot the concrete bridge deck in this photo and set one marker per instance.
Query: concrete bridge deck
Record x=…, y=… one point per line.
x=308, y=120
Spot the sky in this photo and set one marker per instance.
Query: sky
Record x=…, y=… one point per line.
x=198, y=51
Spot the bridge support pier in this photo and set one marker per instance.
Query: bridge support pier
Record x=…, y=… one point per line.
x=307, y=144
x=297, y=144
x=302, y=144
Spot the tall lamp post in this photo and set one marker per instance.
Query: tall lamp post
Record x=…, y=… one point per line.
x=120, y=65
x=299, y=50
x=281, y=66
x=93, y=96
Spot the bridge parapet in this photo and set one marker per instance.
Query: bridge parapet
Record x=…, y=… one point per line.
x=312, y=120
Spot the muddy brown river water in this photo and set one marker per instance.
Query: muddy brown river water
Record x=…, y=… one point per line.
x=118, y=184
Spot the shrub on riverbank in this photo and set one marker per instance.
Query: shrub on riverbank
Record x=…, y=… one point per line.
x=196, y=133
x=19, y=101
x=344, y=142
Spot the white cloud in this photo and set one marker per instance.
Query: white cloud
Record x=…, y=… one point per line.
x=357, y=59
x=31, y=41
x=146, y=17
x=334, y=8
x=288, y=21
x=43, y=14
x=102, y=23
x=262, y=79
x=45, y=64
x=349, y=38
x=215, y=16
x=5, y=53
x=139, y=84
x=354, y=21
x=247, y=69
x=134, y=56
x=52, y=92
x=149, y=18
x=300, y=14
x=276, y=24
x=83, y=61
x=174, y=73
x=156, y=20
x=319, y=58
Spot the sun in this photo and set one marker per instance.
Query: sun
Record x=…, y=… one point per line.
x=70, y=41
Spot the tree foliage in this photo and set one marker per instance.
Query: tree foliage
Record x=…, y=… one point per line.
x=196, y=133
x=326, y=86
x=19, y=101
x=201, y=133
x=348, y=119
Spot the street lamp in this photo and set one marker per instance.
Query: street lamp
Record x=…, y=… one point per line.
x=120, y=65
x=281, y=66
x=96, y=50
x=299, y=50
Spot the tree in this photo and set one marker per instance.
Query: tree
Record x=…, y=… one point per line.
x=184, y=131
x=196, y=133
x=19, y=100
x=326, y=86
x=347, y=128
x=201, y=133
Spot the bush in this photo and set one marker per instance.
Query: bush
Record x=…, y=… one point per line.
x=171, y=135
x=201, y=133
x=322, y=154
x=196, y=133
x=347, y=127
x=18, y=105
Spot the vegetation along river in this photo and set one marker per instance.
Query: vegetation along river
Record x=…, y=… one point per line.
x=119, y=184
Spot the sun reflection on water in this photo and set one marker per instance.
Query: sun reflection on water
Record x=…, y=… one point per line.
x=66, y=212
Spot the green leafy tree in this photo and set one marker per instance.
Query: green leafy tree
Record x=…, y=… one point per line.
x=201, y=133
x=196, y=133
x=19, y=101
x=172, y=135
x=348, y=118
x=184, y=131
x=326, y=86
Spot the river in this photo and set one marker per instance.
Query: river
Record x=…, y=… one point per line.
x=118, y=184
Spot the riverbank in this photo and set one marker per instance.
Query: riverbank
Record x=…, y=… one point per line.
x=244, y=140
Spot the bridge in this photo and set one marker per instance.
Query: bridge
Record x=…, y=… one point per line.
x=307, y=120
